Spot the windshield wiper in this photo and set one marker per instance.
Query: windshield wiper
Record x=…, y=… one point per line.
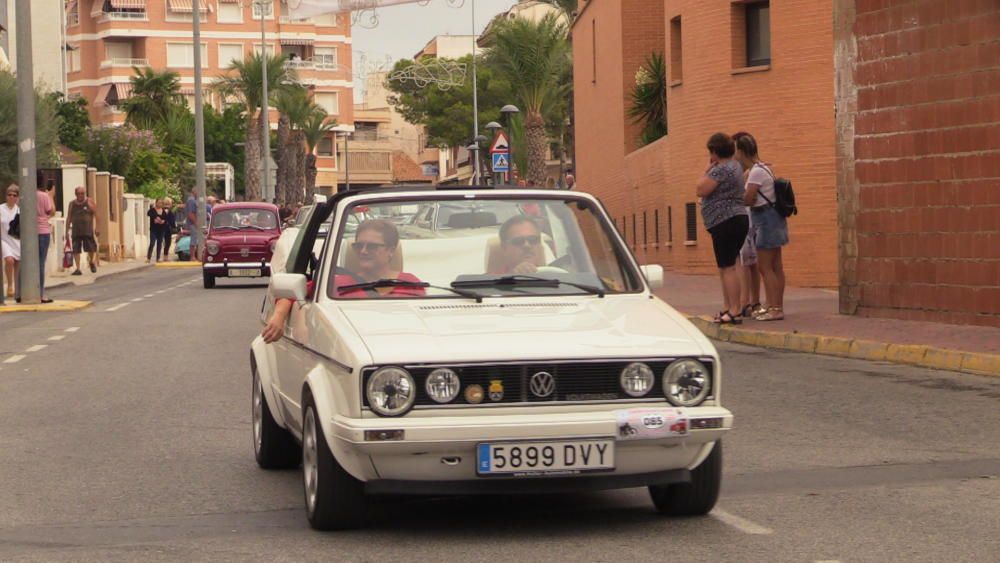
x=225, y=227
x=526, y=281
x=390, y=282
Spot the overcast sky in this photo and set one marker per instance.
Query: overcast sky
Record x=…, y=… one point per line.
x=403, y=30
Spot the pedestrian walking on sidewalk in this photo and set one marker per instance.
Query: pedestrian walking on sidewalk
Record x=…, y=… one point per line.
x=157, y=227
x=45, y=209
x=725, y=217
x=168, y=232
x=82, y=223
x=11, y=245
x=770, y=228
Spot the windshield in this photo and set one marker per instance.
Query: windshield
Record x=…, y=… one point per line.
x=479, y=248
x=249, y=219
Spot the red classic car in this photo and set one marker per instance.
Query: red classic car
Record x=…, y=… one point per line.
x=241, y=238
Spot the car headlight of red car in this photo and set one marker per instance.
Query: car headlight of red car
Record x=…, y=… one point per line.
x=212, y=247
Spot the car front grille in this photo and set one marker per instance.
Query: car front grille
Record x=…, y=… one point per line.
x=573, y=382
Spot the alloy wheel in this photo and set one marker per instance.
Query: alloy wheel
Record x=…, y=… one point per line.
x=310, y=470
x=258, y=412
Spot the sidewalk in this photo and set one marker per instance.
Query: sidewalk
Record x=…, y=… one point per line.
x=106, y=270
x=812, y=324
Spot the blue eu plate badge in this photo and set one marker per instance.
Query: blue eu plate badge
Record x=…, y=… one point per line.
x=484, y=458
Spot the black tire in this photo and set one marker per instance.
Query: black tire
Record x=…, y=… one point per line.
x=274, y=447
x=208, y=279
x=183, y=257
x=696, y=498
x=339, y=498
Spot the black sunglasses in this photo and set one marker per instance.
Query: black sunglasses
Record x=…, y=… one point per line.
x=530, y=240
x=364, y=246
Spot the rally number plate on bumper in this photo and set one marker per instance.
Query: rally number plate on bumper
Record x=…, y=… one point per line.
x=534, y=458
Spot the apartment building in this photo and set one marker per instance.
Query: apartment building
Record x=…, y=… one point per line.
x=106, y=38
x=48, y=61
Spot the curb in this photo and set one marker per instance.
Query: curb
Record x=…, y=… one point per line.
x=63, y=282
x=855, y=348
x=177, y=264
x=56, y=306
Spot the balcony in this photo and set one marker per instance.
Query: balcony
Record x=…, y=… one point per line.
x=124, y=63
x=312, y=64
x=129, y=16
x=291, y=20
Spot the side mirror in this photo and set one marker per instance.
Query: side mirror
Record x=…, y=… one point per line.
x=288, y=286
x=654, y=275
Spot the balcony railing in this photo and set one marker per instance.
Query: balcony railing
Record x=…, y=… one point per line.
x=289, y=19
x=124, y=63
x=124, y=16
x=312, y=64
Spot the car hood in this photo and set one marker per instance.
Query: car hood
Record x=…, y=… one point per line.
x=243, y=237
x=522, y=329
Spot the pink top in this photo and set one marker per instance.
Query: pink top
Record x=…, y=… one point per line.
x=342, y=280
x=44, y=206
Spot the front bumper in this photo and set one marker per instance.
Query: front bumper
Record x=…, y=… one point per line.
x=438, y=452
x=221, y=269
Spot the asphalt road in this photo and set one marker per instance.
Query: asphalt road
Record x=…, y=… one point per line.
x=127, y=437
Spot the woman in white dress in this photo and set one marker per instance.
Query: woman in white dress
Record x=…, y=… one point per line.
x=11, y=245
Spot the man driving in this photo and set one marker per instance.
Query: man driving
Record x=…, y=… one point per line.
x=520, y=247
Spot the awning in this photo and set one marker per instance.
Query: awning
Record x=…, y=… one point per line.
x=229, y=1
x=186, y=91
x=70, y=6
x=296, y=41
x=123, y=90
x=128, y=4
x=102, y=95
x=186, y=5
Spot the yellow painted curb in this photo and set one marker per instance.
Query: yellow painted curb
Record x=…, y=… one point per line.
x=982, y=364
x=868, y=350
x=906, y=353
x=800, y=342
x=833, y=346
x=771, y=339
x=54, y=307
x=945, y=359
x=178, y=264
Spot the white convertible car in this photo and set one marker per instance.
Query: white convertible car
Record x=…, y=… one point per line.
x=517, y=348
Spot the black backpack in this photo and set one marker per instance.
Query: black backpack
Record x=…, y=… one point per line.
x=784, y=196
x=14, y=227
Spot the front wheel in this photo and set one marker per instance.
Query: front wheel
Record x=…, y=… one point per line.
x=273, y=446
x=697, y=497
x=334, y=499
x=208, y=280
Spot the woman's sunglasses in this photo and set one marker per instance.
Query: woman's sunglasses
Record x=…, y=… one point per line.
x=530, y=240
x=366, y=246
x=12, y=194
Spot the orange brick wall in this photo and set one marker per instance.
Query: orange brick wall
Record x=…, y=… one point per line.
x=788, y=107
x=927, y=150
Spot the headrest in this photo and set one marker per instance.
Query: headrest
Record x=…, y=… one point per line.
x=472, y=220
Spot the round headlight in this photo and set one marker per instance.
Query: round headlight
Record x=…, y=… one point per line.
x=442, y=385
x=686, y=383
x=212, y=247
x=636, y=379
x=391, y=391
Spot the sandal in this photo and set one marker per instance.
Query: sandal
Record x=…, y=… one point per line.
x=750, y=310
x=727, y=318
x=771, y=314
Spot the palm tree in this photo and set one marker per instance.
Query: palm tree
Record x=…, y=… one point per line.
x=568, y=7
x=154, y=96
x=649, y=99
x=295, y=106
x=533, y=57
x=314, y=129
x=244, y=82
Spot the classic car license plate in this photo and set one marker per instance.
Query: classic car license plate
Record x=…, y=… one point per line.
x=521, y=458
x=254, y=273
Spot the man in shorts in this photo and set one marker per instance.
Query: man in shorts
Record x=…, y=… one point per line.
x=82, y=224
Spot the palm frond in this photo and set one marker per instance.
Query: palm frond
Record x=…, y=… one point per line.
x=649, y=98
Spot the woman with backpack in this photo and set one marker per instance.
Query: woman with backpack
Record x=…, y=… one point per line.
x=770, y=227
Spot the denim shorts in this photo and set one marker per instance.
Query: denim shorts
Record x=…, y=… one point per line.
x=770, y=228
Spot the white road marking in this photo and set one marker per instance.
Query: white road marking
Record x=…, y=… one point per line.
x=163, y=290
x=14, y=359
x=57, y=337
x=137, y=299
x=741, y=524
x=116, y=307
x=150, y=294
x=37, y=348
x=73, y=329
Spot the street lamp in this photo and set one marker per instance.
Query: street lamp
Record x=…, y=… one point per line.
x=264, y=109
x=508, y=112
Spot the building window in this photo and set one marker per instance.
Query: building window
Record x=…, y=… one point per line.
x=635, y=235
x=329, y=101
x=645, y=237
x=691, y=212
x=758, y=33
x=229, y=52
x=325, y=147
x=268, y=10
x=593, y=31
x=74, y=59
x=676, y=64
x=181, y=55
x=183, y=10
x=270, y=49
x=325, y=57
x=656, y=226
x=670, y=224
x=230, y=12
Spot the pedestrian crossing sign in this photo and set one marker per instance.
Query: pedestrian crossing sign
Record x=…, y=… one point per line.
x=501, y=162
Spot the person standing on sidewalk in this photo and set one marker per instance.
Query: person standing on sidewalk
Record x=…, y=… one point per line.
x=770, y=228
x=725, y=217
x=168, y=233
x=45, y=209
x=157, y=227
x=191, y=214
x=82, y=223
x=11, y=245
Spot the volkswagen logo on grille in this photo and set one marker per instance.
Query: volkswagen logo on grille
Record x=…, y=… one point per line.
x=542, y=384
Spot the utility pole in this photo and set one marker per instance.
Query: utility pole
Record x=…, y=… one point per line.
x=265, y=111
x=199, y=131
x=475, y=101
x=31, y=291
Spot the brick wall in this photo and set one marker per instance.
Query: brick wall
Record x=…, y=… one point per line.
x=788, y=106
x=926, y=143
